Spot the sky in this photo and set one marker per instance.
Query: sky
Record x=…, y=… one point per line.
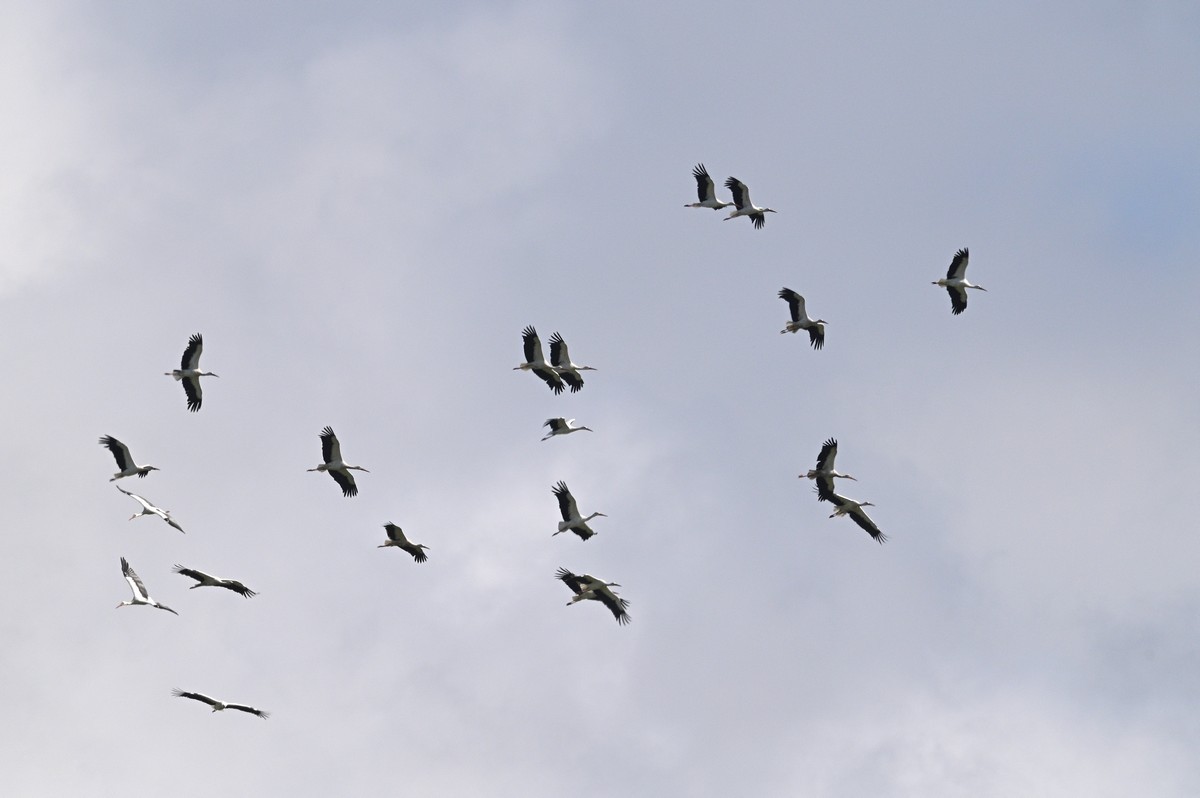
x=360, y=205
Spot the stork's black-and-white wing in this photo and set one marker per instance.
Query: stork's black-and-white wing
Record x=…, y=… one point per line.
x=135, y=582
x=795, y=304
x=397, y=538
x=573, y=581
x=212, y=702
x=331, y=450
x=533, y=345
x=566, y=502
x=741, y=194
x=827, y=455
x=191, y=354
x=119, y=451
x=193, y=392
x=345, y=481
x=616, y=605
x=705, y=189
x=250, y=709
x=560, y=358
x=958, y=298
x=863, y=520
x=958, y=266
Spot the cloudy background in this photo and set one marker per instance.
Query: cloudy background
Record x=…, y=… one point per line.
x=360, y=206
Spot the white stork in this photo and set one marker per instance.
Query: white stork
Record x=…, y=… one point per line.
x=206, y=580
x=706, y=191
x=124, y=459
x=589, y=587
x=561, y=361
x=150, y=509
x=955, y=281
x=570, y=513
x=331, y=451
x=562, y=426
x=140, y=594
x=824, y=473
x=853, y=509
x=396, y=538
x=536, y=363
x=219, y=706
x=741, y=198
x=189, y=372
x=800, y=319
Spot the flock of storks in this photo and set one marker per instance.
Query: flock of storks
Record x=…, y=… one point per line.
x=559, y=373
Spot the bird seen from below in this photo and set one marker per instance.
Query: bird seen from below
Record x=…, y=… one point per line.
x=741, y=198
x=219, y=706
x=140, y=594
x=149, y=509
x=560, y=360
x=572, y=521
x=189, y=372
x=124, y=460
x=205, y=580
x=535, y=362
x=586, y=587
x=800, y=319
x=955, y=282
x=396, y=538
x=562, y=426
x=331, y=451
x=706, y=191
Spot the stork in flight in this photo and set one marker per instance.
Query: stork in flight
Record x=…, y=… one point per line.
x=331, y=451
x=205, y=580
x=853, y=509
x=149, y=509
x=706, y=191
x=561, y=361
x=800, y=319
x=587, y=586
x=741, y=198
x=824, y=473
x=561, y=426
x=140, y=594
x=570, y=513
x=396, y=538
x=536, y=363
x=189, y=372
x=955, y=281
x=124, y=460
x=219, y=706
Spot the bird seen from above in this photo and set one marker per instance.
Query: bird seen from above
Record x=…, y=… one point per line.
x=331, y=452
x=800, y=319
x=396, y=538
x=219, y=706
x=189, y=372
x=572, y=521
x=562, y=426
x=205, y=580
x=560, y=361
x=149, y=509
x=536, y=363
x=741, y=198
x=124, y=460
x=586, y=587
x=955, y=282
x=706, y=191
x=140, y=594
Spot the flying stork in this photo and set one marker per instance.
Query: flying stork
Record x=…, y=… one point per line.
x=561, y=361
x=741, y=198
x=853, y=509
x=189, y=372
x=955, y=281
x=219, y=706
x=124, y=460
x=205, y=580
x=396, y=538
x=331, y=451
x=536, y=363
x=562, y=426
x=589, y=587
x=570, y=513
x=800, y=319
x=824, y=473
x=149, y=509
x=140, y=595
x=706, y=191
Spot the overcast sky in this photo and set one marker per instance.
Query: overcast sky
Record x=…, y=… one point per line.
x=361, y=205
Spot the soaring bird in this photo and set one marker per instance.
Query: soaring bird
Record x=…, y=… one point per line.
x=589, y=587
x=741, y=198
x=800, y=319
x=219, y=706
x=124, y=459
x=570, y=512
x=205, y=580
x=824, y=473
x=149, y=509
x=561, y=426
x=955, y=281
x=706, y=191
x=396, y=538
x=189, y=372
x=331, y=451
x=853, y=509
x=140, y=594
x=560, y=360
x=536, y=363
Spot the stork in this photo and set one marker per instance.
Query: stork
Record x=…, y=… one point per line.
x=800, y=319
x=570, y=513
x=149, y=509
x=189, y=372
x=706, y=191
x=741, y=198
x=205, y=580
x=125, y=460
x=331, y=451
x=396, y=538
x=824, y=473
x=587, y=586
x=219, y=706
x=853, y=509
x=140, y=594
x=561, y=361
x=562, y=426
x=955, y=281
x=536, y=363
